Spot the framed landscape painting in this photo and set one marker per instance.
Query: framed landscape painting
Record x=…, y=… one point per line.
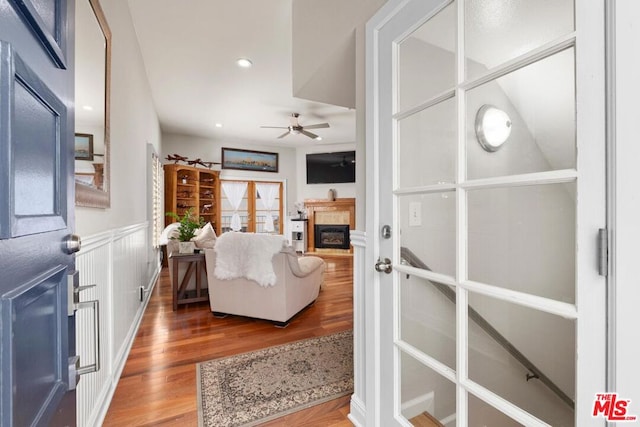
x=233, y=158
x=84, y=146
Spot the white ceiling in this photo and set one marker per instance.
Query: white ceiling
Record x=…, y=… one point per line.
x=189, y=48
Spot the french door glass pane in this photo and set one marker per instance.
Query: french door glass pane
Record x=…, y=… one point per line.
x=483, y=415
x=227, y=213
x=426, y=59
x=427, y=146
x=428, y=231
x=497, y=31
x=428, y=318
x=523, y=238
x=261, y=215
x=539, y=101
x=546, y=340
x=425, y=391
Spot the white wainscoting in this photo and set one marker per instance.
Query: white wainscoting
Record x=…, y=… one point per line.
x=357, y=413
x=119, y=263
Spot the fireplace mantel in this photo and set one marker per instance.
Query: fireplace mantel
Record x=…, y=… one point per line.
x=344, y=210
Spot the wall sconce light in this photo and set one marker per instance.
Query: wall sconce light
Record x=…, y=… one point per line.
x=493, y=127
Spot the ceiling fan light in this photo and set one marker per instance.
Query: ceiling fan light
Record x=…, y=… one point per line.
x=318, y=138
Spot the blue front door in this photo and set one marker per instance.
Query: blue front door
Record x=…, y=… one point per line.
x=37, y=345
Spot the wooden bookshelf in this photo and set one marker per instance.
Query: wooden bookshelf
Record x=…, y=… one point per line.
x=188, y=187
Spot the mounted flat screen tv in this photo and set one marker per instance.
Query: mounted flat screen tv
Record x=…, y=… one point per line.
x=330, y=168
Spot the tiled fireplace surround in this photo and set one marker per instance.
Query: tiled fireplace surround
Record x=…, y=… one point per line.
x=329, y=212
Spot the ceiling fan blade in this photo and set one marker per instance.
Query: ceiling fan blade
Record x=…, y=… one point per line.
x=275, y=127
x=309, y=134
x=284, y=134
x=317, y=126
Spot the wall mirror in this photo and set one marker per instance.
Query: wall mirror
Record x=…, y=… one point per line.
x=92, y=82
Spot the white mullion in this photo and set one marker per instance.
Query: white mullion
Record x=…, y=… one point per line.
x=522, y=61
x=432, y=363
x=558, y=308
x=461, y=227
x=395, y=227
x=503, y=405
x=550, y=177
x=413, y=28
x=548, y=305
x=561, y=176
x=462, y=359
x=397, y=361
x=426, y=274
x=447, y=94
x=427, y=189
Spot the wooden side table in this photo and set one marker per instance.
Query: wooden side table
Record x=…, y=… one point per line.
x=195, y=263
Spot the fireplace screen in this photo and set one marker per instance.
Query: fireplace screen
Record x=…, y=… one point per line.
x=332, y=236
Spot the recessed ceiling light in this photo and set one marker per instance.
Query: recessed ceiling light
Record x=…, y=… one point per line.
x=218, y=125
x=244, y=62
x=87, y=107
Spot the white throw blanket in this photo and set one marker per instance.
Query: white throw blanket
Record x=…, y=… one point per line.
x=247, y=255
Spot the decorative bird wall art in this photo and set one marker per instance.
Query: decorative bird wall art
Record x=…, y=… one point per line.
x=175, y=158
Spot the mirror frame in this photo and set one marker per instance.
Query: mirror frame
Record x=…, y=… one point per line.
x=85, y=195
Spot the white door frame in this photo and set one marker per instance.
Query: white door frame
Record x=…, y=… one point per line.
x=623, y=85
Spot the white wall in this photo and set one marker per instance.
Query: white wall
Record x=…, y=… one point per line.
x=206, y=149
x=625, y=223
x=134, y=123
x=328, y=62
x=320, y=191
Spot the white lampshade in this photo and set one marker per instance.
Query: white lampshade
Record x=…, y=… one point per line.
x=493, y=127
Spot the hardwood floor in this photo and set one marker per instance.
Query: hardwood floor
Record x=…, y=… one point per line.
x=158, y=383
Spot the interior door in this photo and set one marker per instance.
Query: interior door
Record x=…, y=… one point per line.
x=36, y=212
x=488, y=127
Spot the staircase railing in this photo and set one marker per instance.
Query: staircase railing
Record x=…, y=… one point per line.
x=534, y=373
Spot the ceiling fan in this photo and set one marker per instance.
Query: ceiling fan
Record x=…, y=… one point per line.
x=296, y=128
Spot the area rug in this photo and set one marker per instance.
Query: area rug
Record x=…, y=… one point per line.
x=252, y=388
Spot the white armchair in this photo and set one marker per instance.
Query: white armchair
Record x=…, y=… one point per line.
x=297, y=286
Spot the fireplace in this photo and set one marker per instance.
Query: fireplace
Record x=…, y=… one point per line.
x=331, y=236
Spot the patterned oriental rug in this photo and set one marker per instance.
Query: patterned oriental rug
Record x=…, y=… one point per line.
x=252, y=388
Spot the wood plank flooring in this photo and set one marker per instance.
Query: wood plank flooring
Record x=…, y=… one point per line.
x=158, y=383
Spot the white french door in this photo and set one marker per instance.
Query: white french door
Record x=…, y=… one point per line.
x=486, y=120
x=259, y=205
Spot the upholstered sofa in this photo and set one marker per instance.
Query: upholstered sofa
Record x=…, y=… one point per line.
x=296, y=283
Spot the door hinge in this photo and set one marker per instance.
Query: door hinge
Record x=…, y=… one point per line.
x=603, y=252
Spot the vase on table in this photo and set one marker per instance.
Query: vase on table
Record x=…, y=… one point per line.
x=186, y=247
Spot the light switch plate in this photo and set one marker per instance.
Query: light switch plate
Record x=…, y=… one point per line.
x=415, y=214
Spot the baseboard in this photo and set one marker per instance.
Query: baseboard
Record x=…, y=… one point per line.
x=357, y=415
x=418, y=405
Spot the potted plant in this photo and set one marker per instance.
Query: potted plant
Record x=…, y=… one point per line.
x=189, y=223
